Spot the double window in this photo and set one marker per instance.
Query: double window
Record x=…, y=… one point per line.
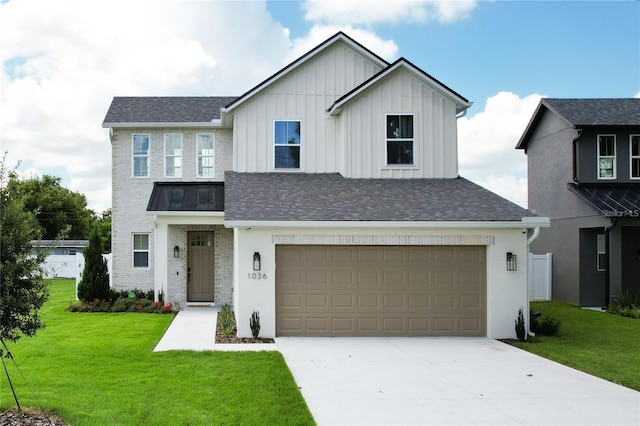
x=173, y=154
x=606, y=156
x=205, y=154
x=399, y=139
x=634, y=150
x=140, y=250
x=287, y=142
x=140, y=149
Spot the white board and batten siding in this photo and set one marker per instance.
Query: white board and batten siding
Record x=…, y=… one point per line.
x=305, y=94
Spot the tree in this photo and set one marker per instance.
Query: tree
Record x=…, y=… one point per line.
x=104, y=222
x=94, y=283
x=59, y=211
x=22, y=287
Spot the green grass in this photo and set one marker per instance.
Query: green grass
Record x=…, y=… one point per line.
x=98, y=369
x=599, y=343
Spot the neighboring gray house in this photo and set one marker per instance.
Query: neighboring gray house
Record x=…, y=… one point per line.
x=584, y=174
x=327, y=198
x=60, y=247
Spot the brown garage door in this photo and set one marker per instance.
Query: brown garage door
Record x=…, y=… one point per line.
x=380, y=290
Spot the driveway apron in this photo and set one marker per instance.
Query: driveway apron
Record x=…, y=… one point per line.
x=447, y=381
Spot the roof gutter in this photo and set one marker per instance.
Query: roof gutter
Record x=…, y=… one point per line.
x=531, y=239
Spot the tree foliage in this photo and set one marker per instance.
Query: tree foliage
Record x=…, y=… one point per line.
x=59, y=211
x=104, y=222
x=22, y=287
x=94, y=283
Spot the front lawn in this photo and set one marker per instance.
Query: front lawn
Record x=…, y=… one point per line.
x=99, y=368
x=599, y=343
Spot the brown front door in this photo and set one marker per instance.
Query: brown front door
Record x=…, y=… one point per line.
x=200, y=274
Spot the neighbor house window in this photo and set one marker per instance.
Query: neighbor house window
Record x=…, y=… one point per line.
x=634, y=149
x=606, y=156
x=399, y=139
x=601, y=263
x=173, y=154
x=205, y=154
x=140, y=148
x=140, y=250
x=287, y=142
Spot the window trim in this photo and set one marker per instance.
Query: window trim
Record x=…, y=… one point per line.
x=414, y=163
x=134, y=156
x=213, y=155
x=601, y=268
x=613, y=157
x=181, y=156
x=134, y=250
x=300, y=146
x=633, y=157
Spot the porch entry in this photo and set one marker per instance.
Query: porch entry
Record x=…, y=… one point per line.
x=200, y=266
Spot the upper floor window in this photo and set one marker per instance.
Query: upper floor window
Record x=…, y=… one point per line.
x=140, y=149
x=287, y=142
x=634, y=149
x=140, y=250
x=205, y=154
x=173, y=154
x=606, y=156
x=399, y=139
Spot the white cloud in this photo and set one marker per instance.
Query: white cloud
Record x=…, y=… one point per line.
x=387, y=49
x=368, y=12
x=637, y=95
x=64, y=61
x=486, y=145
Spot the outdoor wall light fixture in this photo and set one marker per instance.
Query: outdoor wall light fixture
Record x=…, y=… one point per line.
x=256, y=261
x=176, y=252
x=512, y=262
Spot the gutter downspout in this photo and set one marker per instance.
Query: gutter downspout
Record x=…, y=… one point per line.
x=607, y=275
x=531, y=239
x=574, y=154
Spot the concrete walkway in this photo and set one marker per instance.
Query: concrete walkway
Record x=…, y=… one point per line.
x=194, y=329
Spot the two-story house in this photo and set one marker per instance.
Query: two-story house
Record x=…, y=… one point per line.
x=584, y=174
x=327, y=198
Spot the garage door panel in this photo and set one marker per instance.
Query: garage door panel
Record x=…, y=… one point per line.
x=380, y=290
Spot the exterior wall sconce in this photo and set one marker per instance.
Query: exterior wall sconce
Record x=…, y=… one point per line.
x=176, y=252
x=256, y=261
x=512, y=262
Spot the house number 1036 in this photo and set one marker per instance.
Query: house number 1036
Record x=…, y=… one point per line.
x=257, y=275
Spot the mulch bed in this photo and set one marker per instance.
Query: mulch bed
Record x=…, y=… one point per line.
x=233, y=337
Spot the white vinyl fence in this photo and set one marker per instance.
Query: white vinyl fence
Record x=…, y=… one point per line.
x=540, y=276
x=61, y=266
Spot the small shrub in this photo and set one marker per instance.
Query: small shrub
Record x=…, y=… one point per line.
x=625, y=304
x=226, y=320
x=254, y=323
x=547, y=326
x=520, y=328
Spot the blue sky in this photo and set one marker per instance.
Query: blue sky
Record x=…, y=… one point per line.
x=59, y=76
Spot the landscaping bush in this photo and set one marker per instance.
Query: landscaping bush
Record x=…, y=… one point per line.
x=94, y=283
x=520, y=329
x=546, y=326
x=625, y=304
x=122, y=304
x=254, y=323
x=225, y=316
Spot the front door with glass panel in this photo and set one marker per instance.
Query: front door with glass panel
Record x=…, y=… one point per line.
x=200, y=272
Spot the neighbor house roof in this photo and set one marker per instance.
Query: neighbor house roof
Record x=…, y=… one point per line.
x=586, y=112
x=164, y=110
x=59, y=243
x=331, y=197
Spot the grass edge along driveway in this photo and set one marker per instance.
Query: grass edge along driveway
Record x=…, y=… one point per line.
x=598, y=343
x=98, y=369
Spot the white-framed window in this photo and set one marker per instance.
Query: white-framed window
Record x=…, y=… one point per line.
x=399, y=139
x=173, y=154
x=601, y=262
x=606, y=156
x=140, y=154
x=634, y=151
x=140, y=250
x=205, y=154
x=287, y=142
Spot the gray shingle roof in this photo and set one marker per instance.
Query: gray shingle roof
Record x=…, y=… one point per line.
x=330, y=197
x=598, y=112
x=166, y=109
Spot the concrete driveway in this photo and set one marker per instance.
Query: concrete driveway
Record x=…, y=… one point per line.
x=447, y=381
